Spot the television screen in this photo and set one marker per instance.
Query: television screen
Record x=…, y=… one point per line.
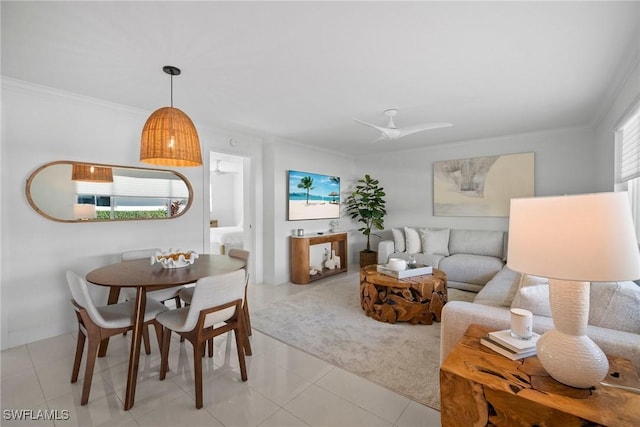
x=313, y=196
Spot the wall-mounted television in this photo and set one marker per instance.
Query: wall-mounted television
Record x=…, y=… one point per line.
x=313, y=196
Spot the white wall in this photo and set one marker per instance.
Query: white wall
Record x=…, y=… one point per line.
x=226, y=195
x=40, y=125
x=281, y=156
x=564, y=163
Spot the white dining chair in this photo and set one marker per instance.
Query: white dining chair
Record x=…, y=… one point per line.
x=97, y=323
x=162, y=295
x=215, y=309
x=187, y=293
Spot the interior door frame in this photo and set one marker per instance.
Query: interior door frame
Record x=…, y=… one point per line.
x=248, y=205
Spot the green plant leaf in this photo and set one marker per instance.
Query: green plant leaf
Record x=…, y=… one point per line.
x=367, y=204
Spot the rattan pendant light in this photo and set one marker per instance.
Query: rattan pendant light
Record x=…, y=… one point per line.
x=84, y=172
x=169, y=137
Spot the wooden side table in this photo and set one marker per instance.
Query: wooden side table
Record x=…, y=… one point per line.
x=417, y=299
x=299, y=256
x=479, y=387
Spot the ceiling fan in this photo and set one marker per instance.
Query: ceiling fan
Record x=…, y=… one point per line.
x=219, y=171
x=391, y=132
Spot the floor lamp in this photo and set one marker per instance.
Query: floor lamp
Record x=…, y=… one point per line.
x=573, y=240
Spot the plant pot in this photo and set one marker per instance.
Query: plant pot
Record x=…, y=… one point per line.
x=368, y=258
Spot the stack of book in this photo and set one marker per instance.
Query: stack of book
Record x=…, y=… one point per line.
x=514, y=348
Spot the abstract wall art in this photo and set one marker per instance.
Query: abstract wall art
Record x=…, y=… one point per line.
x=481, y=186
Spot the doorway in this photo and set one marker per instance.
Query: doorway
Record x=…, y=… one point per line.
x=228, y=203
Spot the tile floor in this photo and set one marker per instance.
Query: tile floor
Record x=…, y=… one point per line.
x=286, y=387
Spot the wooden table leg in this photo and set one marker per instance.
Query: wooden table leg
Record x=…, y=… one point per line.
x=136, y=340
x=114, y=294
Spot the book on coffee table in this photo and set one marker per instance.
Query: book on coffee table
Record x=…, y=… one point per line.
x=505, y=339
x=505, y=351
x=419, y=270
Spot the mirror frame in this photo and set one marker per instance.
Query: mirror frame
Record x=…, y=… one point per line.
x=71, y=162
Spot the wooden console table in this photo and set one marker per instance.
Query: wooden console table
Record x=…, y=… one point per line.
x=479, y=387
x=417, y=299
x=299, y=256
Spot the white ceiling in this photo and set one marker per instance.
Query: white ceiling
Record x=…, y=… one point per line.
x=302, y=70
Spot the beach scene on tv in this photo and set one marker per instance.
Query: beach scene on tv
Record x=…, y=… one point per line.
x=313, y=196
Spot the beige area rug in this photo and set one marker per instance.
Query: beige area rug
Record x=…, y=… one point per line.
x=326, y=321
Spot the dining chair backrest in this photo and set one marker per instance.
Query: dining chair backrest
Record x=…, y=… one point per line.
x=213, y=291
x=240, y=254
x=138, y=254
x=243, y=255
x=80, y=294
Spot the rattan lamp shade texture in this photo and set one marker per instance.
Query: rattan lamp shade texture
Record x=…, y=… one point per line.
x=82, y=172
x=169, y=138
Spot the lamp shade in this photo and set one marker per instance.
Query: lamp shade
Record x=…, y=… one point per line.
x=84, y=172
x=84, y=211
x=586, y=237
x=169, y=138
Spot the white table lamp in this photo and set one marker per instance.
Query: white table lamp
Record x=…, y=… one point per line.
x=573, y=240
x=84, y=211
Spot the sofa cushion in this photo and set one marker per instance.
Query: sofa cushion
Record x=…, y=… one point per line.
x=435, y=241
x=615, y=305
x=398, y=239
x=533, y=298
x=477, y=242
x=473, y=269
x=531, y=280
x=413, y=245
x=429, y=259
x=500, y=290
x=612, y=305
x=533, y=295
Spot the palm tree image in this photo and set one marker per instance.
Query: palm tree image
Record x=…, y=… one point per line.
x=336, y=181
x=319, y=200
x=306, y=183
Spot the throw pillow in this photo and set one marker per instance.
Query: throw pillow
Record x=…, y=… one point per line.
x=435, y=241
x=531, y=280
x=533, y=295
x=412, y=240
x=398, y=240
x=614, y=305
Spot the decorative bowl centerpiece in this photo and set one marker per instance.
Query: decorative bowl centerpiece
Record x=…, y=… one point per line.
x=174, y=259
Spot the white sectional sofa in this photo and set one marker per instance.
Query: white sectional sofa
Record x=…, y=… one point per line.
x=475, y=261
x=470, y=258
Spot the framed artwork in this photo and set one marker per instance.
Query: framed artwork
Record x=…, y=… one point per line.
x=312, y=196
x=481, y=186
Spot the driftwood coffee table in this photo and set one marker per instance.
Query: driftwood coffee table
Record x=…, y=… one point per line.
x=417, y=299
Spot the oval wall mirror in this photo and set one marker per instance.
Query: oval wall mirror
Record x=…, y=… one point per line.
x=67, y=191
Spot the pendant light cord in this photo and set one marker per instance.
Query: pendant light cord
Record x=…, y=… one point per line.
x=172, y=71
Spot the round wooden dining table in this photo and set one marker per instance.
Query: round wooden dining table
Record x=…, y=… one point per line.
x=143, y=276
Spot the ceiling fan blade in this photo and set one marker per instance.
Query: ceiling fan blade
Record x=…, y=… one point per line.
x=380, y=128
x=383, y=137
x=409, y=130
x=219, y=171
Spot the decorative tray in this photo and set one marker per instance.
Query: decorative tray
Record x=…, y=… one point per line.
x=409, y=272
x=174, y=259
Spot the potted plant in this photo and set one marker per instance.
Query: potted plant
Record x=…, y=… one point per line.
x=367, y=204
